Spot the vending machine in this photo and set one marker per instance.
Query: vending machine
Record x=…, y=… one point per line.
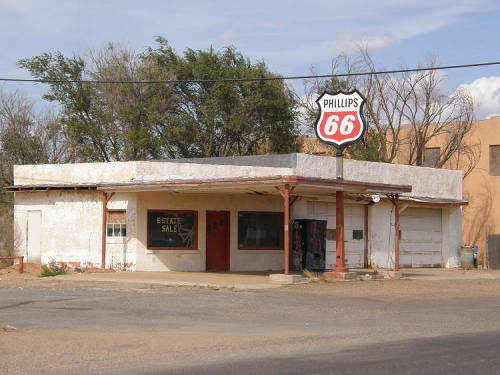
x=308, y=245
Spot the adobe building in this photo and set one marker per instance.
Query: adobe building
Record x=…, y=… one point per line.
x=481, y=216
x=231, y=214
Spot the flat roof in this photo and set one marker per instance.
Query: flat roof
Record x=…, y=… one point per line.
x=266, y=184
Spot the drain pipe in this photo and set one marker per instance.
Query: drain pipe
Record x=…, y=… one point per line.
x=105, y=199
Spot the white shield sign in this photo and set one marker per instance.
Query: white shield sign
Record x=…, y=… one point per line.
x=340, y=121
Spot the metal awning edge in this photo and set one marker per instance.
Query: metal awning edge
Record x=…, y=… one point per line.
x=414, y=201
x=345, y=185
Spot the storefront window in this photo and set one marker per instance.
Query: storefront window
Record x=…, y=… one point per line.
x=260, y=230
x=171, y=229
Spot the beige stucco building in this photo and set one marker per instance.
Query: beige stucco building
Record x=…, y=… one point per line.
x=226, y=214
x=481, y=218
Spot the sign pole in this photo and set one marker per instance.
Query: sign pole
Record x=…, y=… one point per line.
x=340, y=123
x=340, y=164
x=339, y=217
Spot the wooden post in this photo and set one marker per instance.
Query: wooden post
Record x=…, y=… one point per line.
x=339, y=249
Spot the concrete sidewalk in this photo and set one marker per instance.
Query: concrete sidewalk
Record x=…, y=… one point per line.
x=449, y=274
x=248, y=281
x=437, y=273
x=255, y=281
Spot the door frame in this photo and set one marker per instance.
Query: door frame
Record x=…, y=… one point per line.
x=29, y=239
x=227, y=257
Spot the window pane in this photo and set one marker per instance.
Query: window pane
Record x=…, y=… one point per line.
x=172, y=229
x=260, y=230
x=110, y=230
x=124, y=230
x=431, y=156
x=116, y=230
x=495, y=160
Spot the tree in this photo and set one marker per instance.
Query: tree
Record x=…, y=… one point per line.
x=26, y=137
x=405, y=112
x=224, y=118
x=104, y=122
x=137, y=121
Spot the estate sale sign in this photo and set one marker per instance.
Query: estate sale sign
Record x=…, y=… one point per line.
x=170, y=229
x=340, y=120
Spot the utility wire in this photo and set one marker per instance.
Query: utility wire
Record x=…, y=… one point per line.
x=249, y=79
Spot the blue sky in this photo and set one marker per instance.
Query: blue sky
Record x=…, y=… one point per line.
x=290, y=36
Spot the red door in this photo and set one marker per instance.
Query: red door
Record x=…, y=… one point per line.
x=218, y=241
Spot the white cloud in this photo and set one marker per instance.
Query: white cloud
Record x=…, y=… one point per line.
x=486, y=94
x=225, y=39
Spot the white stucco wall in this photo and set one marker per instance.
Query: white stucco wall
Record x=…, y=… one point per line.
x=77, y=173
x=71, y=230
x=452, y=236
x=71, y=220
x=381, y=235
x=155, y=171
x=71, y=227
x=425, y=182
x=195, y=260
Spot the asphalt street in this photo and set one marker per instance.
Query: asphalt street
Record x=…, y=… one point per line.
x=370, y=327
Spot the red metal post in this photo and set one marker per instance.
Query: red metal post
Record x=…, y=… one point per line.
x=105, y=200
x=339, y=249
x=396, y=241
x=104, y=222
x=21, y=264
x=286, y=240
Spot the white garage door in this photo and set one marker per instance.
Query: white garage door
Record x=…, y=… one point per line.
x=353, y=231
x=420, y=244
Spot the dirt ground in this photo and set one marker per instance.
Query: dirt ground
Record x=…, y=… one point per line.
x=31, y=271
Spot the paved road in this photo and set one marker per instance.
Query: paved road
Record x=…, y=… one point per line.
x=457, y=355
x=379, y=327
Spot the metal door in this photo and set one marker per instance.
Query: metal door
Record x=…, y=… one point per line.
x=421, y=233
x=34, y=237
x=217, y=241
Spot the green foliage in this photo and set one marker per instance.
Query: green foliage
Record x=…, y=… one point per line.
x=371, y=147
x=52, y=269
x=224, y=118
x=104, y=122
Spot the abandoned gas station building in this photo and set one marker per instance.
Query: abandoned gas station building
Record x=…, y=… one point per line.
x=236, y=214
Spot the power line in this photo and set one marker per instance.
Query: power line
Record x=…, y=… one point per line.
x=250, y=79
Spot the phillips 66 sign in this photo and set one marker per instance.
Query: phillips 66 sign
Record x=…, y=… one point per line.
x=340, y=120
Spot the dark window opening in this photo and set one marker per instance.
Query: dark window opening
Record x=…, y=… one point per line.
x=431, y=156
x=260, y=230
x=357, y=234
x=495, y=160
x=172, y=229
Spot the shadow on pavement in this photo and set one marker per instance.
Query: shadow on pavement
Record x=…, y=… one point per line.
x=463, y=354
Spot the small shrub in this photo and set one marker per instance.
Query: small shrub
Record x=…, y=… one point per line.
x=52, y=269
x=311, y=275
